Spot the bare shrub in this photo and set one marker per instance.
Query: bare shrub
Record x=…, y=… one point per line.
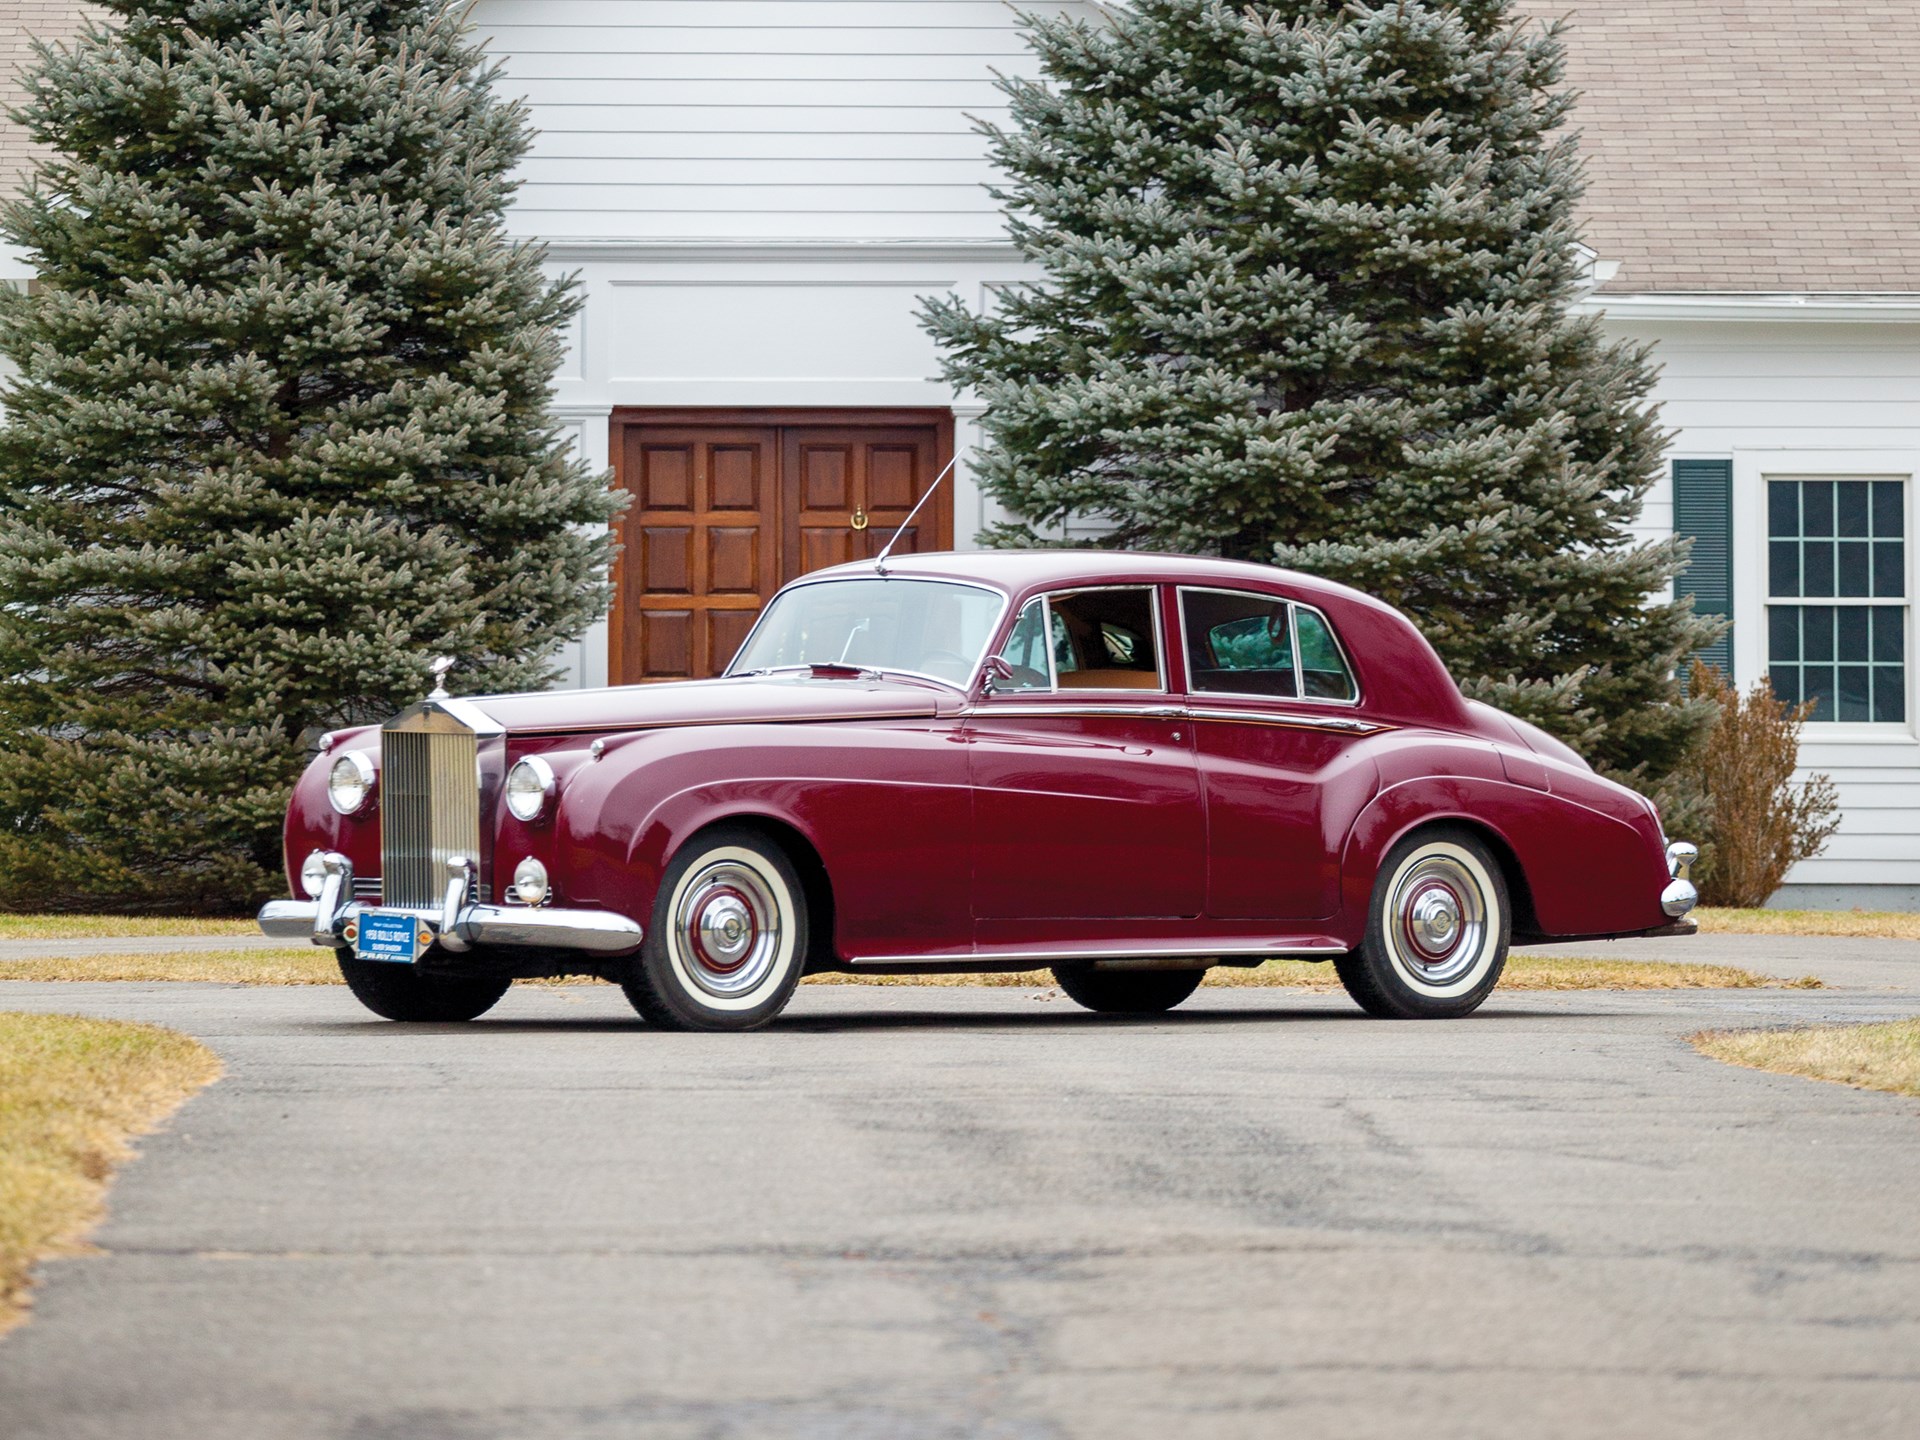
x=1758, y=822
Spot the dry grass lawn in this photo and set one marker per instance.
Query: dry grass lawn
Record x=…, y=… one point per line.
x=1851, y=924
x=72, y=1093
x=305, y=965
x=1872, y=1057
x=115, y=927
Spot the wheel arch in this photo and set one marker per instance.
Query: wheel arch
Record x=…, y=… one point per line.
x=1379, y=830
x=1512, y=872
x=806, y=861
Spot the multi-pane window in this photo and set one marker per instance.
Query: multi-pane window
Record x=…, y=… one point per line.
x=1837, y=596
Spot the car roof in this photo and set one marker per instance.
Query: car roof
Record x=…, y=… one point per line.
x=1019, y=570
x=1400, y=674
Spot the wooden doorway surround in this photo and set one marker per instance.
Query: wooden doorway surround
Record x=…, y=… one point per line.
x=729, y=505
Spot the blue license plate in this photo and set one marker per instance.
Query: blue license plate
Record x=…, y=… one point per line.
x=388, y=935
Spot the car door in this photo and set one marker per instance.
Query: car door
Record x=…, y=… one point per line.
x=1085, y=791
x=1272, y=698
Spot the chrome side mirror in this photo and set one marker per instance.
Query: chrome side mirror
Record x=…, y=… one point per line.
x=998, y=668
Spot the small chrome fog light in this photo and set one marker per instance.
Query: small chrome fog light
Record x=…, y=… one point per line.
x=313, y=874
x=530, y=881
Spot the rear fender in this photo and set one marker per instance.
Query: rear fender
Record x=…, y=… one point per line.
x=1585, y=873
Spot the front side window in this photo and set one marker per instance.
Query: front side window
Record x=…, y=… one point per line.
x=928, y=627
x=1245, y=644
x=1085, y=640
x=1837, y=597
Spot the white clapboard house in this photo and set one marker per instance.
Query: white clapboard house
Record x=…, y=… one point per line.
x=756, y=194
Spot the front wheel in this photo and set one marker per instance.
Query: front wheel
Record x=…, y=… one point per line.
x=729, y=936
x=1437, y=930
x=1126, y=992
x=400, y=992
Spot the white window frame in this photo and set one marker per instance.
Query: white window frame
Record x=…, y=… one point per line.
x=1752, y=468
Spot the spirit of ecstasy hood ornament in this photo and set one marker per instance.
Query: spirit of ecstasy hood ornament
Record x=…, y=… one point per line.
x=440, y=668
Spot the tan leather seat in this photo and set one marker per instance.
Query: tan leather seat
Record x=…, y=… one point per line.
x=1109, y=680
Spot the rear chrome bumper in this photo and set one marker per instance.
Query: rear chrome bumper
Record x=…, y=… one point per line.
x=332, y=918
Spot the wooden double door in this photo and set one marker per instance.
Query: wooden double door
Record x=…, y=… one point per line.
x=727, y=506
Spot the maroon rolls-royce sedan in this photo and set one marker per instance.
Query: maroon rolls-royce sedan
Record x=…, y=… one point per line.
x=1127, y=768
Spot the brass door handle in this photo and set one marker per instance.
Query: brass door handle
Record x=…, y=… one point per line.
x=859, y=519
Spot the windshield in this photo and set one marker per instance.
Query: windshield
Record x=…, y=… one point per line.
x=927, y=626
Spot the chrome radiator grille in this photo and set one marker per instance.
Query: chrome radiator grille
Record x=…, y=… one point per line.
x=429, y=811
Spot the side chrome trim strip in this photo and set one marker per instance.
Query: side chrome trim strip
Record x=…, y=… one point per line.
x=1178, y=950
x=1013, y=709
x=1299, y=722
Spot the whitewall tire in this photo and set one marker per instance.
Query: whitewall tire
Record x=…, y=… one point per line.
x=728, y=941
x=1437, y=929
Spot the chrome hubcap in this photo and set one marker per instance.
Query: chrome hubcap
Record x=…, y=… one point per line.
x=1442, y=918
x=728, y=926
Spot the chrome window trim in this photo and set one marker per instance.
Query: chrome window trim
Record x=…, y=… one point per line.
x=979, y=664
x=1045, y=600
x=1008, y=705
x=1293, y=636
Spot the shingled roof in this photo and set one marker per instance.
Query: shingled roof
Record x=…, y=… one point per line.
x=1768, y=146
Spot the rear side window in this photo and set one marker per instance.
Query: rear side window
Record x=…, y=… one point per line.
x=1245, y=644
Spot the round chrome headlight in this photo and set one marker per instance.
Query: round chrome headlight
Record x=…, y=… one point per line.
x=313, y=874
x=350, y=782
x=530, y=787
x=530, y=881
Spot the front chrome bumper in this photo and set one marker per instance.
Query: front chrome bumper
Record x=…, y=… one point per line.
x=331, y=918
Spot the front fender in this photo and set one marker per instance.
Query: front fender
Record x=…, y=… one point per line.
x=886, y=809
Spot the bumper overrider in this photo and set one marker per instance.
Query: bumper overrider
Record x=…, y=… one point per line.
x=1680, y=897
x=331, y=918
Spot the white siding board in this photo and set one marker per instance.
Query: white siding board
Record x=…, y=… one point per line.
x=748, y=146
x=826, y=43
x=762, y=225
x=723, y=199
x=554, y=173
x=948, y=98
x=644, y=71
x=756, y=119
x=865, y=15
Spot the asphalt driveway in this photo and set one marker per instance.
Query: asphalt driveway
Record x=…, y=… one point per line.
x=984, y=1213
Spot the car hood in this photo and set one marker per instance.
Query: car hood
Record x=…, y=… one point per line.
x=746, y=700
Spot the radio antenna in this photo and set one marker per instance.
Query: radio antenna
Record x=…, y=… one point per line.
x=880, y=560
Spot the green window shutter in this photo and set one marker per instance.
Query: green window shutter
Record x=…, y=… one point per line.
x=1703, y=508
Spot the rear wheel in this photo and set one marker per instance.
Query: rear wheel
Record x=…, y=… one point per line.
x=400, y=992
x=1126, y=992
x=1437, y=930
x=728, y=940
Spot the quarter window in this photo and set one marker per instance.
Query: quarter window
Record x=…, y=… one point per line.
x=1243, y=644
x=1837, y=602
